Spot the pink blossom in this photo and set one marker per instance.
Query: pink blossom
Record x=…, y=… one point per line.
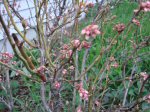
x=6, y=57
x=78, y=86
x=71, y=67
x=65, y=47
x=136, y=22
x=145, y=6
x=90, y=31
x=66, y=53
x=115, y=65
x=119, y=27
x=14, y=63
x=79, y=109
x=86, y=44
x=64, y=72
x=144, y=75
x=63, y=54
x=57, y=85
x=76, y=43
x=41, y=69
x=84, y=94
x=69, y=53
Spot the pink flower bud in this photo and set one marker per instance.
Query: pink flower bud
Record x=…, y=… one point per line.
x=57, y=85
x=6, y=57
x=84, y=94
x=145, y=6
x=79, y=109
x=65, y=47
x=76, y=43
x=41, y=69
x=119, y=27
x=144, y=75
x=115, y=65
x=136, y=22
x=90, y=31
x=69, y=53
x=64, y=71
x=86, y=44
x=14, y=63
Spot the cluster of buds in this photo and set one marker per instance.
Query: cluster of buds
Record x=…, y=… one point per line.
x=83, y=44
x=91, y=31
x=136, y=22
x=65, y=71
x=119, y=27
x=66, y=54
x=84, y=94
x=57, y=85
x=145, y=6
x=6, y=57
x=75, y=43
